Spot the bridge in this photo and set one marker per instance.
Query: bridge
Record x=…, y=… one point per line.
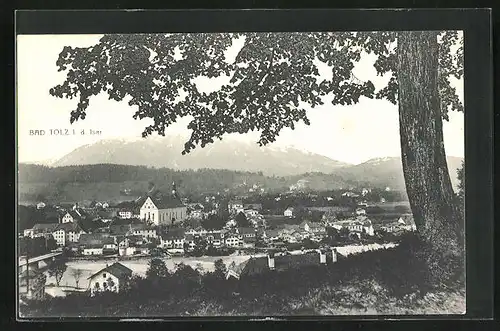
x=37, y=262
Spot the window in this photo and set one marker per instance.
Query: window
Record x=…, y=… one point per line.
x=103, y=275
x=97, y=285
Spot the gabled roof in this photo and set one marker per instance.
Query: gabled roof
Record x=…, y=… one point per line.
x=106, y=214
x=116, y=269
x=45, y=226
x=163, y=201
x=272, y=233
x=174, y=234
x=249, y=240
x=92, y=239
x=215, y=235
x=246, y=230
x=108, y=241
x=119, y=229
x=284, y=262
x=316, y=225
x=77, y=214
x=134, y=238
x=256, y=206
x=140, y=227
x=69, y=227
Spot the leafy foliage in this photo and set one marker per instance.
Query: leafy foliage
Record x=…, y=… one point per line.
x=57, y=268
x=36, y=246
x=157, y=269
x=270, y=81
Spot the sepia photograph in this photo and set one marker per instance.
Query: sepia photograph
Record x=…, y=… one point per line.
x=240, y=174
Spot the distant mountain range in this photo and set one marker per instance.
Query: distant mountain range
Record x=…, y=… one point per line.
x=388, y=171
x=235, y=155
x=225, y=154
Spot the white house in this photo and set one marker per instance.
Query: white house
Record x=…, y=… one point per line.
x=28, y=232
x=111, y=278
x=59, y=236
x=251, y=213
x=173, y=239
x=40, y=205
x=163, y=209
x=93, y=250
x=216, y=238
x=143, y=230
x=233, y=241
x=66, y=233
x=73, y=216
x=288, y=212
x=125, y=214
x=406, y=223
x=360, y=211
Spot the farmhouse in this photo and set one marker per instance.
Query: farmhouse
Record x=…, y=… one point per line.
x=158, y=208
x=111, y=278
x=288, y=212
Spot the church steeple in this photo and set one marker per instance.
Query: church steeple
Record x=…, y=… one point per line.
x=174, y=190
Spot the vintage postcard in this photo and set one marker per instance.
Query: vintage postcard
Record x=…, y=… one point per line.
x=240, y=174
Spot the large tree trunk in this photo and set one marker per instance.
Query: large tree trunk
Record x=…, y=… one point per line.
x=433, y=202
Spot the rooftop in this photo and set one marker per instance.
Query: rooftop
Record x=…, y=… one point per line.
x=260, y=264
x=45, y=226
x=174, y=234
x=162, y=201
x=116, y=269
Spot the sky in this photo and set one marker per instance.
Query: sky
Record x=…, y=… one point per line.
x=352, y=134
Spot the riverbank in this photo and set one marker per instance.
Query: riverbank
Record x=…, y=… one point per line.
x=139, y=265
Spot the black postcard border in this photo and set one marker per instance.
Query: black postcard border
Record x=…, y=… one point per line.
x=478, y=98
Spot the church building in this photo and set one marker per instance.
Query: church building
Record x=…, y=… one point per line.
x=163, y=209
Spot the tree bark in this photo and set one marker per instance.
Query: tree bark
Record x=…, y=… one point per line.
x=430, y=192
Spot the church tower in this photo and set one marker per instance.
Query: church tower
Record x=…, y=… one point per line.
x=174, y=190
